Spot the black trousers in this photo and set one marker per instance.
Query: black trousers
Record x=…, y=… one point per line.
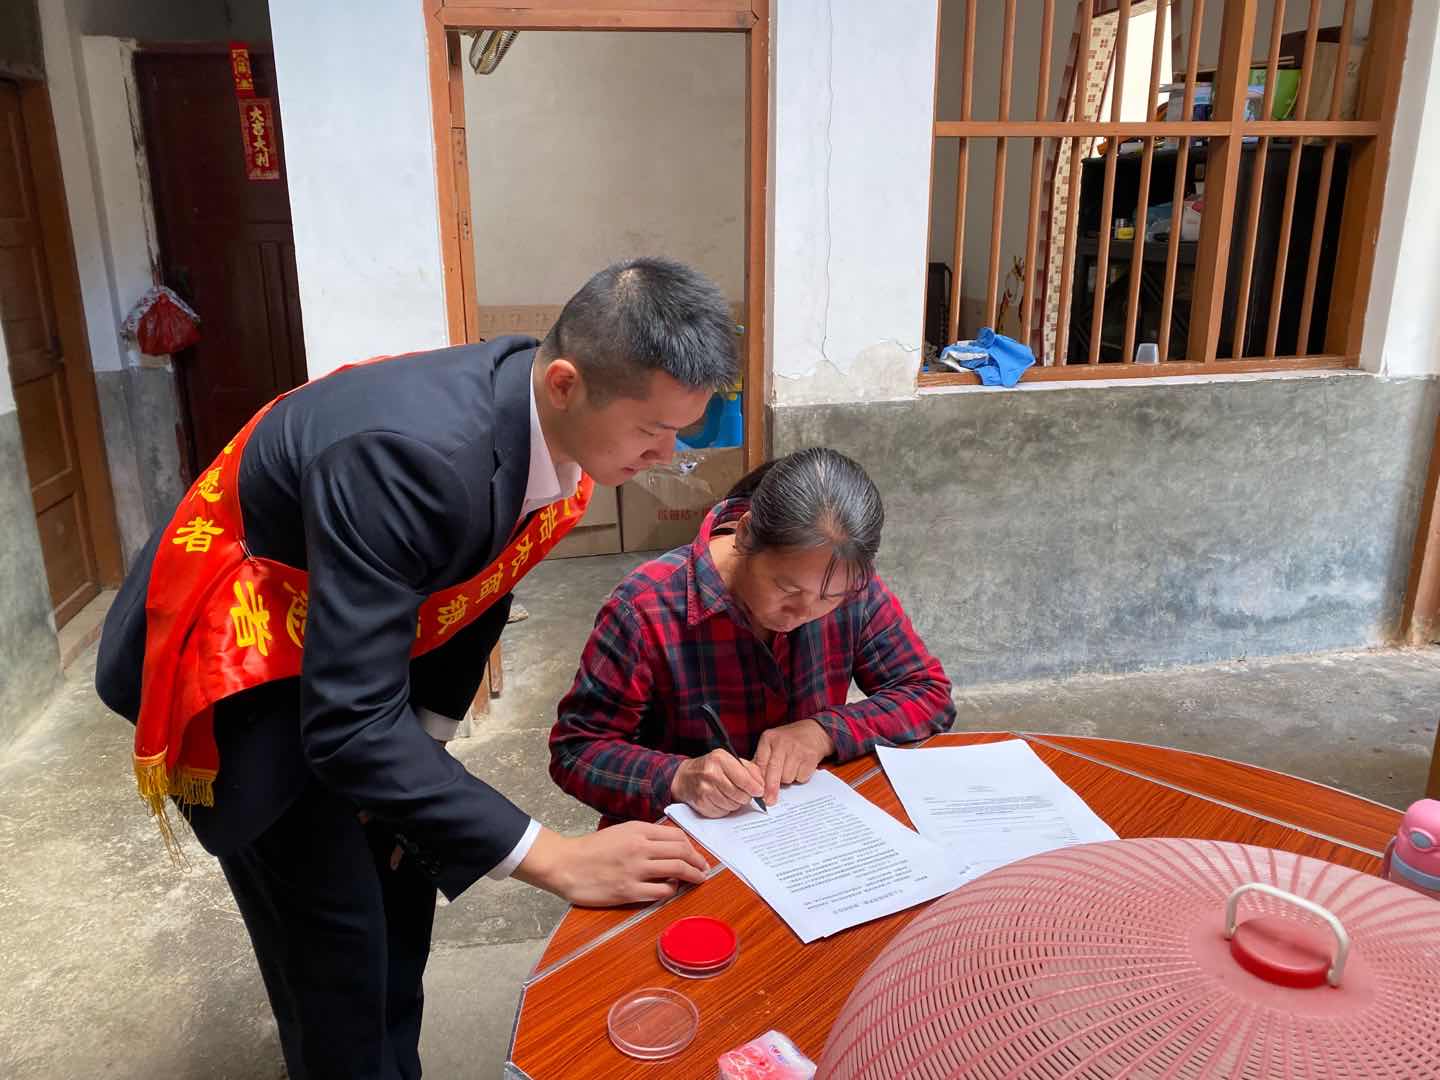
x=341, y=939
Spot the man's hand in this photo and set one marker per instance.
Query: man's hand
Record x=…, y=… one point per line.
x=635, y=862
x=396, y=855
x=789, y=754
x=717, y=784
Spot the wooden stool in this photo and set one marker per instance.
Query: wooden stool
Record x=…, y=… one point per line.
x=491, y=684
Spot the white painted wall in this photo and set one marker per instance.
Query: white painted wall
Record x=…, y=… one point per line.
x=587, y=147
x=127, y=215
x=1402, y=323
x=853, y=84
x=69, y=99
x=847, y=264
x=1136, y=78
x=360, y=159
x=852, y=109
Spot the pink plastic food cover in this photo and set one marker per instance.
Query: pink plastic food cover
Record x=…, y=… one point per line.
x=1151, y=958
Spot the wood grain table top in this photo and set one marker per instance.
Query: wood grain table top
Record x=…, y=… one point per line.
x=594, y=956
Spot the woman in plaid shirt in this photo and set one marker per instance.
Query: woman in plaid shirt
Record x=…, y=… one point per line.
x=766, y=617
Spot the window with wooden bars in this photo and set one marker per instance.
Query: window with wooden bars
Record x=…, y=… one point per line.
x=1159, y=187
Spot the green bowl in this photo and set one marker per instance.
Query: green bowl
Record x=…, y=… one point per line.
x=1287, y=89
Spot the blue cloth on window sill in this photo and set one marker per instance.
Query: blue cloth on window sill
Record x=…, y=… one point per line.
x=1005, y=359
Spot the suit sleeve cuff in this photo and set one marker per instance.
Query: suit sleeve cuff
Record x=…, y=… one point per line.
x=436, y=726
x=507, y=865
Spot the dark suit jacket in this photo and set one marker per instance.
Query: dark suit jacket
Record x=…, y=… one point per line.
x=387, y=482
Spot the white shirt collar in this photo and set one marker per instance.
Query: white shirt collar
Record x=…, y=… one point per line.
x=547, y=482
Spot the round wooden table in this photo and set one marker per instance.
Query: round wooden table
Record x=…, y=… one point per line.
x=594, y=956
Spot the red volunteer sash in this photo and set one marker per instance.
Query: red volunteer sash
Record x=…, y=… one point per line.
x=220, y=620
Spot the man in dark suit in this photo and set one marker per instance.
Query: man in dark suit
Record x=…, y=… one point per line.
x=387, y=483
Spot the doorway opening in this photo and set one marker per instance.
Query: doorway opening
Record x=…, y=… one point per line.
x=586, y=147
x=572, y=139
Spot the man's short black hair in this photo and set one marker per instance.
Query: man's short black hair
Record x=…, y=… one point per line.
x=645, y=315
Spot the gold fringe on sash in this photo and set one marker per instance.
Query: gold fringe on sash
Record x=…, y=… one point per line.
x=190, y=787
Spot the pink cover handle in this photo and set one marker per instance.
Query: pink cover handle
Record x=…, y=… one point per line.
x=1342, y=938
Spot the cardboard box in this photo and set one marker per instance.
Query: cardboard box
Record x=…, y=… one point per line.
x=663, y=508
x=598, y=532
x=1322, y=81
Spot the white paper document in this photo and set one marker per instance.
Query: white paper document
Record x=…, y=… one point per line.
x=825, y=858
x=991, y=804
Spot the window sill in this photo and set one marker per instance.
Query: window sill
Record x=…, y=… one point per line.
x=1085, y=373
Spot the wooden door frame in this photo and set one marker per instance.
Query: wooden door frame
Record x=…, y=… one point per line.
x=444, y=19
x=64, y=275
x=1420, y=616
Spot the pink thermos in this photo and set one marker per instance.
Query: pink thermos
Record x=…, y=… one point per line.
x=1412, y=859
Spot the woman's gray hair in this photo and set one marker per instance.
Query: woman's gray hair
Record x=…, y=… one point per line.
x=814, y=498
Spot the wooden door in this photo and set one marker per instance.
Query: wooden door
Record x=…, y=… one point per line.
x=38, y=374
x=225, y=243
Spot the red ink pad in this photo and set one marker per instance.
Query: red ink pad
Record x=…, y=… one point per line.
x=698, y=946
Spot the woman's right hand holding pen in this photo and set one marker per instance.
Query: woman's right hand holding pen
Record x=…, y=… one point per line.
x=717, y=784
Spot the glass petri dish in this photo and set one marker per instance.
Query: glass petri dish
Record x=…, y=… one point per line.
x=652, y=1023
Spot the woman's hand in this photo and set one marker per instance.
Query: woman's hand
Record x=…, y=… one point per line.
x=790, y=754
x=717, y=784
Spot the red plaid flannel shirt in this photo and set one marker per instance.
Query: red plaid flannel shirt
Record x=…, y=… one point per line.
x=671, y=638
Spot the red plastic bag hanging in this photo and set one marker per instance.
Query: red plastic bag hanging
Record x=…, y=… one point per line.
x=161, y=323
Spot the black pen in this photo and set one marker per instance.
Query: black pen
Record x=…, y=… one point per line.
x=718, y=731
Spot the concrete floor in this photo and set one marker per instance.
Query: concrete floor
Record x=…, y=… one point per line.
x=118, y=966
